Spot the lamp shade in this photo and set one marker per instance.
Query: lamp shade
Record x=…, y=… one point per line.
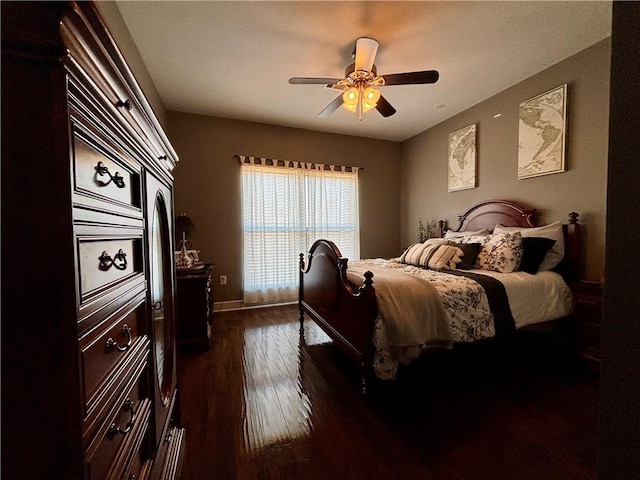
x=366, y=49
x=184, y=224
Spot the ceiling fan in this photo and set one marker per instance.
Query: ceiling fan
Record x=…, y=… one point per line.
x=360, y=82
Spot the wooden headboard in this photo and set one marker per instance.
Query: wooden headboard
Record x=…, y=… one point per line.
x=491, y=212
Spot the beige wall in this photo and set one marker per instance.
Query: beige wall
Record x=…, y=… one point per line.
x=401, y=181
x=208, y=184
x=582, y=188
x=118, y=29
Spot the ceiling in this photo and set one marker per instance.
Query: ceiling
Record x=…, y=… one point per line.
x=234, y=59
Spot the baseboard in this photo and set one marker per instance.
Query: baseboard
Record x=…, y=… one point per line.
x=230, y=305
x=227, y=305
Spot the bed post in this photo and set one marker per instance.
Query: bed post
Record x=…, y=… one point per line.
x=573, y=247
x=300, y=290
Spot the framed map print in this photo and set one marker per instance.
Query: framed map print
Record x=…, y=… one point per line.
x=542, y=128
x=462, y=159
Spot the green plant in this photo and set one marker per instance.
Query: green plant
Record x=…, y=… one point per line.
x=422, y=232
x=430, y=230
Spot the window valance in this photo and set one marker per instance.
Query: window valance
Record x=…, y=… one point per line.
x=272, y=162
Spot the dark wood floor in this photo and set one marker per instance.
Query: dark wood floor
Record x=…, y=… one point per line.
x=259, y=405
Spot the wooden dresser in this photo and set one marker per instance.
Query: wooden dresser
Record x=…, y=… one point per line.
x=89, y=378
x=588, y=297
x=194, y=307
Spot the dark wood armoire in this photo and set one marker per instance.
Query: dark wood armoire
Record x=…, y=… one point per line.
x=89, y=378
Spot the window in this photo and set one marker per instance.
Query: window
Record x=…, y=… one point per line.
x=286, y=206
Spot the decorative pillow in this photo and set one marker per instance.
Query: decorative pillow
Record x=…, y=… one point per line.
x=502, y=252
x=435, y=253
x=553, y=231
x=418, y=254
x=445, y=257
x=481, y=239
x=454, y=234
x=470, y=254
x=412, y=254
x=534, y=250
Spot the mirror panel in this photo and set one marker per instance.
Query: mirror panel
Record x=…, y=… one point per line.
x=160, y=289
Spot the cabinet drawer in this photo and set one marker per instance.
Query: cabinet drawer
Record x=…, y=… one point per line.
x=102, y=352
x=591, y=334
x=119, y=108
x=102, y=262
x=118, y=446
x=138, y=466
x=171, y=454
x=120, y=380
x=111, y=448
x=102, y=176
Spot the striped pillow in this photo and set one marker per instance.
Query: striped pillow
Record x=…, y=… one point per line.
x=435, y=253
x=418, y=254
x=412, y=254
x=445, y=257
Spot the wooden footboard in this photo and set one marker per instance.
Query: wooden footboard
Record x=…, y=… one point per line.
x=345, y=313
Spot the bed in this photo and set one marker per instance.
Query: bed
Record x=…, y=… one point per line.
x=368, y=310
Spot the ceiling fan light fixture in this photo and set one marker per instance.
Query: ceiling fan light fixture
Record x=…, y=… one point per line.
x=370, y=98
x=360, y=78
x=350, y=99
x=359, y=99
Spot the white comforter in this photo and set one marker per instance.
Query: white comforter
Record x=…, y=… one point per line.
x=532, y=299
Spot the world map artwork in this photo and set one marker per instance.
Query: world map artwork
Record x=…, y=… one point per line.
x=462, y=159
x=542, y=133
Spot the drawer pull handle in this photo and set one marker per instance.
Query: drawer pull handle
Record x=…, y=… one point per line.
x=162, y=157
x=116, y=178
x=106, y=262
x=124, y=103
x=114, y=429
x=111, y=343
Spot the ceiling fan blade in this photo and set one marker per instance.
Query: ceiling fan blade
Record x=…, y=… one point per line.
x=313, y=81
x=332, y=107
x=384, y=107
x=411, y=78
x=366, y=49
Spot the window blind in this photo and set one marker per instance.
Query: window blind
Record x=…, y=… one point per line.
x=286, y=206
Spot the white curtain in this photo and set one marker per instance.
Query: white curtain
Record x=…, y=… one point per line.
x=286, y=206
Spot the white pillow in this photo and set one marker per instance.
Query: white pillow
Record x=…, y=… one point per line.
x=502, y=252
x=481, y=239
x=553, y=231
x=454, y=234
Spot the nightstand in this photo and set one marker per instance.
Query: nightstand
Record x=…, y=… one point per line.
x=194, y=307
x=588, y=314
